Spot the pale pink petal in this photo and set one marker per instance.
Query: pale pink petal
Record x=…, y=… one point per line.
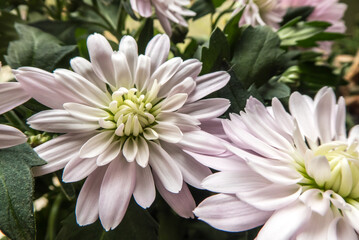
x=340, y=132
x=123, y=74
x=340, y=229
x=316, y=227
x=143, y=7
x=168, y=132
x=284, y=223
x=60, y=121
x=165, y=23
x=11, y=96
x=84, y=112
x=41, y=85
x=226, y=212
x=58, y=152
x=315, y=199
x=143, y=71
x=112, y=152
x=165, y=167
x=78, y=168
x=116, y=191
x=193, y=172
x=174, y=102
x=100, y=54
x=130, y=149
x=87, y=205
x=193, y=141
x=214, y=127
x=182, y=202
x=145, y=191
x=142, y=152
x=128, y=47
x=206, y=108
x=185, y=86
x=157, y=49
x=10, y=136
x=165, y=72
x=281, y=116
x=323, y=115
x=209, y=83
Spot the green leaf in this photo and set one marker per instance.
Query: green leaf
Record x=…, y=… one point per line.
x=315, y=77
x=36, y=48
x=136, y=225
x=213, y=55
x=274, y=89
x=16, y=189
x=257, y=56
x=232, y=31
x=202, y=8
x=292, y=13
x=145, y=35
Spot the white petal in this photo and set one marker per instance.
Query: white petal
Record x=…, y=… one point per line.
x=78, y=168
x=314, y=199
x=112, y=152
x=11, y=96
x=60, y=121
x=284, y=223
x=324, y=116
x=116, y=191
x=128, y=47
x=228, y=213
x=142, y=152
x=340, y=229
x=145, y=191
x=182, y=202
x=85, y=112
x=130, y=149
x=84, y=68
x=165, y=167
x=100, y=54
x=206, y=108
x=340, y=120
x=209, y=83
x=168, y=132
x=185, y=86
x=10, y=136
x=174, y=102
x=157, y=49
x=164, y=72
x=123, y=75
x=87, y=205
x=281, y=116
x=97, y=144
x=143, y=71
x=318, y=168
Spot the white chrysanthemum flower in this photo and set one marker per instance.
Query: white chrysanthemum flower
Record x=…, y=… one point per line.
x=260, y=12
x=127, y=121
x=298, y=173
x=11, y=96
x=166, y=11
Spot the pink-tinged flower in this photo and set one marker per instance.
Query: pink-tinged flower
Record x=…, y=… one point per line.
x=260, y=12
x=11, y=96
x=127, y=120
x=324, y=10
x=295, y=173
x=166, y=11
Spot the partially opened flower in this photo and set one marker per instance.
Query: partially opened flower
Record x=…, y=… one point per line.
x=260, y=12
x=324, y=10
x=295, y=173
x=11, y=96
x=127, y=120
x=166, y=11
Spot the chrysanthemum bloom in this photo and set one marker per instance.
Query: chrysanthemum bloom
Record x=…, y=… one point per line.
x=324, y=10
x=11, y=96
x=260, y=12
x=166, y=11
x=297, y=173
x=127, y=120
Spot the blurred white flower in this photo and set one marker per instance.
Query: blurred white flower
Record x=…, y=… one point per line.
x=298, y=173
x=167, y=11
x=127, y=121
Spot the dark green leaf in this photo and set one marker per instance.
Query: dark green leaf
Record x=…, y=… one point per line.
x=127, y=6
x=202, y=8
x=314, y=76
x=16, y=188
x=213, y=55
x=292, y=13
x=136, y=225
x=274, y=89
x=257, y=56
x=232, y=31
x=36, y=48
x=218, y=3
x=145, y=35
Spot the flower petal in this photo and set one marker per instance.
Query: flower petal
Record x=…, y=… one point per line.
x=142, y=152
x=206, y=108
x=10, y=136
x=157, y=49
x=85, y=112
x=97, y=144
x=173, y=102
x=228, y=213
x=11, y=96
x=165, y=167
x=116, y=191
x=123, y=74
x=128, y=47
x=145, y=191
x=201, y=142
x=168, y=132
x=78, y=168
x=130, y=149
x=110, y=153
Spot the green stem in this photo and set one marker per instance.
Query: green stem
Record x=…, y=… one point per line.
x=14, y=120
x=51, y=225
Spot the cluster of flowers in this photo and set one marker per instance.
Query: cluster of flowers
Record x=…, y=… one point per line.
x=132, y=124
